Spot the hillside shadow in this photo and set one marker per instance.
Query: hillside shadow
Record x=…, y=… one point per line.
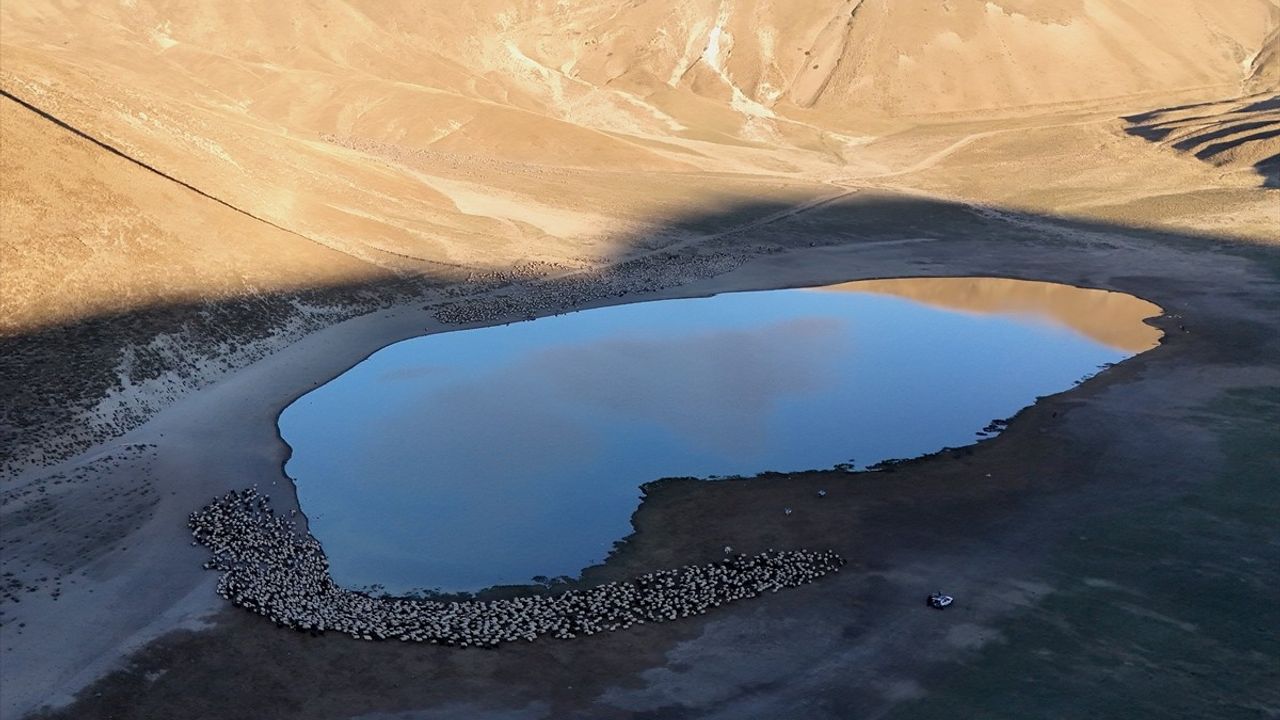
x=1220, y=129
x=53, y=375
x=1269, y=169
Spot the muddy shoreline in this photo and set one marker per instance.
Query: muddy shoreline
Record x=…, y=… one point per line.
x=992, y=521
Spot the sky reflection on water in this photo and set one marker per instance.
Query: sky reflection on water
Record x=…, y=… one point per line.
x=481, y=457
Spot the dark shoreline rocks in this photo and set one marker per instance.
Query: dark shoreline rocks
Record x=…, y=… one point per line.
x=271, y=568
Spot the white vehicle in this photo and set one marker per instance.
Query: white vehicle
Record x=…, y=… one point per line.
x=939, y=601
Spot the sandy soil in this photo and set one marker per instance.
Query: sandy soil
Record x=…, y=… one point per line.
x=207, y=212
x=1144, y=433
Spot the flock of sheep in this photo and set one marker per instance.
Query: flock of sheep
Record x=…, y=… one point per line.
x=274, y=569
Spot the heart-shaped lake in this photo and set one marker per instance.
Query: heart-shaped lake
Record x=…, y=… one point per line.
x=463, y=460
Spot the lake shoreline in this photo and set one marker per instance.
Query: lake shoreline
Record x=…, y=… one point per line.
x=225, y=437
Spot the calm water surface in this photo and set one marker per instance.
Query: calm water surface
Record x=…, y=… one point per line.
x=481, y=457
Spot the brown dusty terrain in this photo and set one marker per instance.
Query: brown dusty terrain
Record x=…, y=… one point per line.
x=206, y=212
x=1118, y=550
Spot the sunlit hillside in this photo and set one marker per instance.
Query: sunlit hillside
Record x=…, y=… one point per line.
x=266, y=146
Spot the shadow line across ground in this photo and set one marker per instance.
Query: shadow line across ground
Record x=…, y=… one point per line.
x=1110, y=548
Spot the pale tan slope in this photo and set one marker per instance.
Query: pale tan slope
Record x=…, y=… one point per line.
x=398, y=137
x=245, y=125
x=243, y=90
x=88, y=233
x=877, y=57
x=1085, y=167
x=463, y=75
x=1264, y=66
x=1006, y=55
x=1239, y=135
x=289, y=175
x=241, y=102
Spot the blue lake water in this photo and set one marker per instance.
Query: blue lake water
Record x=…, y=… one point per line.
x=467, y=459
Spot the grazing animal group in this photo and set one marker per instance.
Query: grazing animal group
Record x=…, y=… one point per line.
x=272, y=568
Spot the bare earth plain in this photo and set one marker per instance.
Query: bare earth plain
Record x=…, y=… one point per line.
x=205, y=214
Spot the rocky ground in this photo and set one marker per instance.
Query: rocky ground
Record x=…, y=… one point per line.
x=1110, y=551
x=207, y=214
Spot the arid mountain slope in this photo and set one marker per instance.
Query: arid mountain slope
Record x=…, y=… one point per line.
x=111, y=225
x=246, y=101
x=209, y=208
x=158, y=152
x=1239, y=134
